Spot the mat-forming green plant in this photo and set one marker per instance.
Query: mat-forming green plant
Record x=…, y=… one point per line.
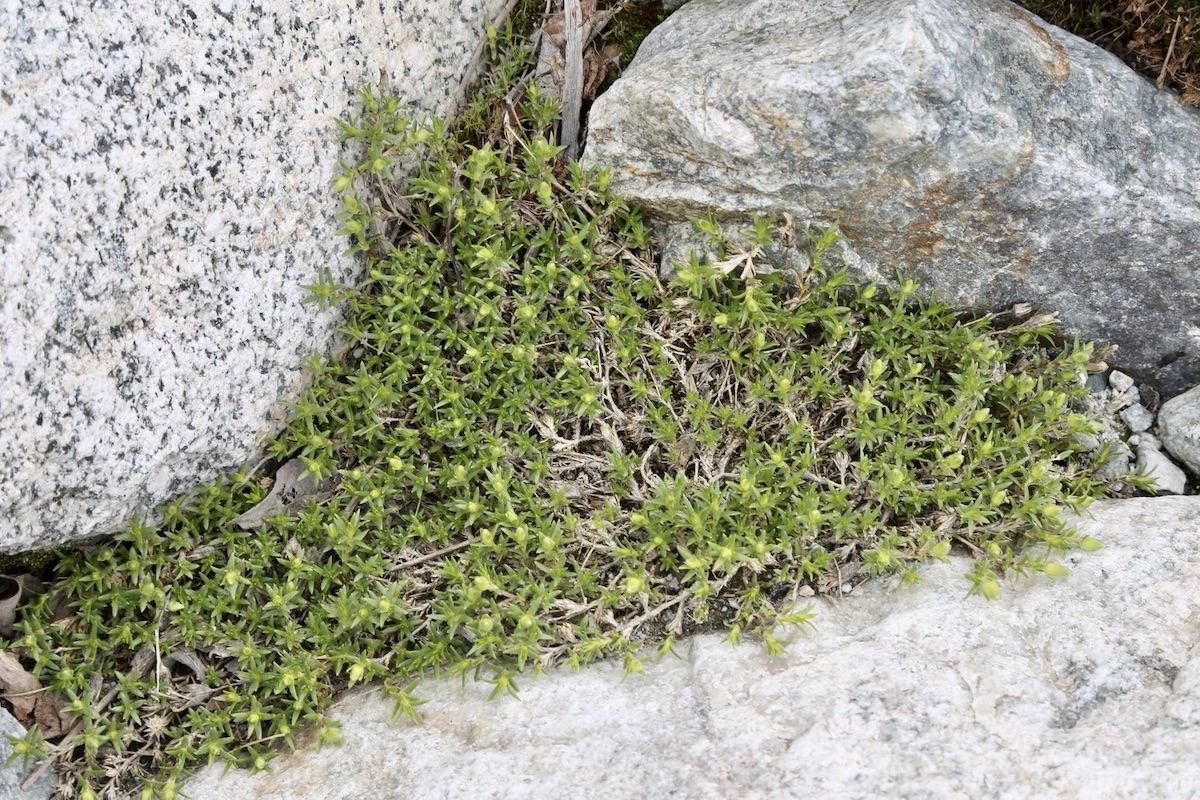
x=542, y=453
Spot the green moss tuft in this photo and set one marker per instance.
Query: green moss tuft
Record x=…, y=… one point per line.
x=40, y=563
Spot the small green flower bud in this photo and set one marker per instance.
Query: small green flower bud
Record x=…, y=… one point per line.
x=953, y=461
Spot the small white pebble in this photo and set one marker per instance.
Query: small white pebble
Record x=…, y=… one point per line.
x=1169, y=479
x=847, y=588
x=1086, y=441
x=1119, y=381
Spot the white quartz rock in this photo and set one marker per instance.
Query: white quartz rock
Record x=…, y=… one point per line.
x=1168, y=477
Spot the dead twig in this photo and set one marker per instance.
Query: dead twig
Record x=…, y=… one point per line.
x=572, y=77
x=431, y=556
x=1162, y=75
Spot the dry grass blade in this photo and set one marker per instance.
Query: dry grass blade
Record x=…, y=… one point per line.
x=1162, y=75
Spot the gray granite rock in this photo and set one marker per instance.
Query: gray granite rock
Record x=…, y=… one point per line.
x=13, y=775
x=165, y=194
x=1179, y=427
x=966, y=142
x=1137, y=417
x=1080, y=687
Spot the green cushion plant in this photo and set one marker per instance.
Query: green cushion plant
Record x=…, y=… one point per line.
x=543, y=455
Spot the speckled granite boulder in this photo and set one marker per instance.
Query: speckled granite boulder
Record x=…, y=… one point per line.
x=1081, y=687
x=966, y=142
x=165, y=193
x=1179, y=428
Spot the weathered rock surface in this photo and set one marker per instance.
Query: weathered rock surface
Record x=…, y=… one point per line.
x=966, y=142
x=1179, y=428
x=1085, y=686
x=165, y=195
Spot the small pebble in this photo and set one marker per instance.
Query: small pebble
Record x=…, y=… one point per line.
x=847, y=588
x=1119, y=381
x=1147, y=439
x=1119, y=456
x=1169, y=479
x=1137, y=417
x=1117, y=464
